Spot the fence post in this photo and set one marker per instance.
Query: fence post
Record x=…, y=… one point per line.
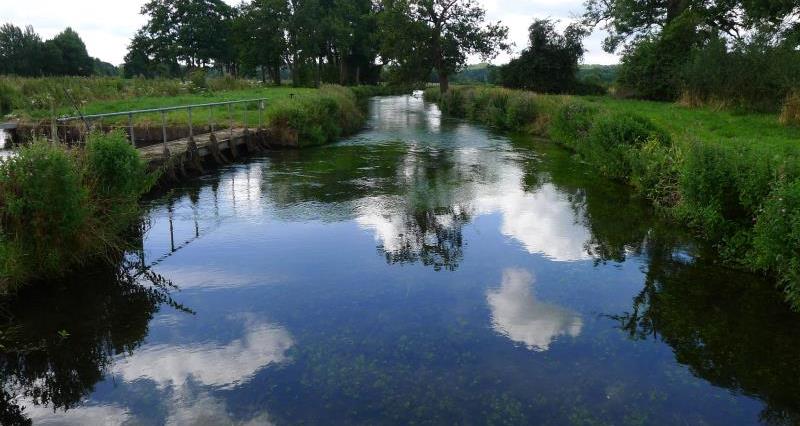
x=53, y=125
x=130, y=129
x=230, y=123
x=191, y=129
x=164, y=132
x=260, y=114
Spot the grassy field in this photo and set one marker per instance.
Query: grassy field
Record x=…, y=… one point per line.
x=702, y=124
x=734, y=178
x=33, y=100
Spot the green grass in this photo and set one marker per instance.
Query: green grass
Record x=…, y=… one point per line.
x=707, y=125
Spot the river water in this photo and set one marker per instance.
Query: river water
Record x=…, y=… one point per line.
x=423, y=271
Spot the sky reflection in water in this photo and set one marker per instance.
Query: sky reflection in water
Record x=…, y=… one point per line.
x=427, y=269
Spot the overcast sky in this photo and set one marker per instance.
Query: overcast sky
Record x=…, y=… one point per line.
x=108, y=25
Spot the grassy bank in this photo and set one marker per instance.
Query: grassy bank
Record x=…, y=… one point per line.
x=733, y=178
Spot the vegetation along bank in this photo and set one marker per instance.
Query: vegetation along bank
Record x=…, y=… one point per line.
x=734, y=178
x=61, y=206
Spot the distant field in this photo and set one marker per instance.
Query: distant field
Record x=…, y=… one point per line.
x=34, y=99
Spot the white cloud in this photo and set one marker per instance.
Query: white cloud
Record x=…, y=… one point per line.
x=517, y=314
x=107, y=26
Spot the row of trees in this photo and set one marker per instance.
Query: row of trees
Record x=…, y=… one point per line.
x=345, y=42
x=24, y=53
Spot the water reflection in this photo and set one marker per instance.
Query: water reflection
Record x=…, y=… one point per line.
x=517, y=314
x=212, y=364
x=627, y=321
x=53, y=357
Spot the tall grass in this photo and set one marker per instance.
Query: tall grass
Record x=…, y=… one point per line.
x=743, y=196
x=331, y=113
x=59, y=207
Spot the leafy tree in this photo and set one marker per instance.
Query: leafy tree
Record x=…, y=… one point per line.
x=550, y=63
x=74, y=59
x=260, y=36
x=438, y=34
x=21, y=52
x=630, y=20
x=194, y=32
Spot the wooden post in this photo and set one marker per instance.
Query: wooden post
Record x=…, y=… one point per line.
x=130, y=129
x=53, y=125
x=164, y=132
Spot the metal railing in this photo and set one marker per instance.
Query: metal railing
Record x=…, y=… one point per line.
x=90, y=119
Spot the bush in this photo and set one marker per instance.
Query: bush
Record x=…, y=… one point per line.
x=117, y=177
x=613, y=142
x=572, y=123
x=8, y=98
x=776, y=242
x=45, y=212
x=521, y=111
x=198, y=78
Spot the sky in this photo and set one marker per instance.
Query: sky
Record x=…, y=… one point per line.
x=107, y=26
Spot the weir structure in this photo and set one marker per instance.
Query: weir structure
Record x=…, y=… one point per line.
x=220, y=142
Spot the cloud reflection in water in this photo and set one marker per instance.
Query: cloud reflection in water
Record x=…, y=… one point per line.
x=517, y=314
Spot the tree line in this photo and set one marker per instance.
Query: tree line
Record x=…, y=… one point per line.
x=317, y=41
x=24, y=53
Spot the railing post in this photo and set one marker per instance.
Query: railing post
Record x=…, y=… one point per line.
x=211, y=118
x=53, y=125
x=260, y=114
x=191, y=129
x=230, y=123
x=130, y=129
x=164, y=132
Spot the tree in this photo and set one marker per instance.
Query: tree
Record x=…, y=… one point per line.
x=21, y=52
x=194, y=32
x=550, y=63
x=74, y=59
x=438, y=34
x=260, y=36
x=628, y=21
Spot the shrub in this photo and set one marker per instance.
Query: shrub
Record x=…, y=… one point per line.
x=45, y=212
x=198, y=79
x=116, y=176
x=790, y=114
x=8, y=98
x=776, y=242
x=614, y=140
x=654, y=172
x=572, y=123
x=521, y=111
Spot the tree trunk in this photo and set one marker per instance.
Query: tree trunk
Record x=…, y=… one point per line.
x=444, y=82
x=263, y=74
x=276, y=74
x=358, y=75
x=295, y=71
x=318, y=81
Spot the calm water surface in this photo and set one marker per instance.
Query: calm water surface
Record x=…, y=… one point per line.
x=424, y=271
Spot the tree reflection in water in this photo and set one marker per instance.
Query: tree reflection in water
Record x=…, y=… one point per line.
x=58, y=338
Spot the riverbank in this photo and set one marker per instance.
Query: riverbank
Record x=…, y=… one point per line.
x=735, y=179
x=81, y=199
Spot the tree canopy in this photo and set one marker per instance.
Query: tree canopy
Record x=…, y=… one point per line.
x=22, y=52
x=550, y=62
x=438, y=34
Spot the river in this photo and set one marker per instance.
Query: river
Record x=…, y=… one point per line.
x=426, y=270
